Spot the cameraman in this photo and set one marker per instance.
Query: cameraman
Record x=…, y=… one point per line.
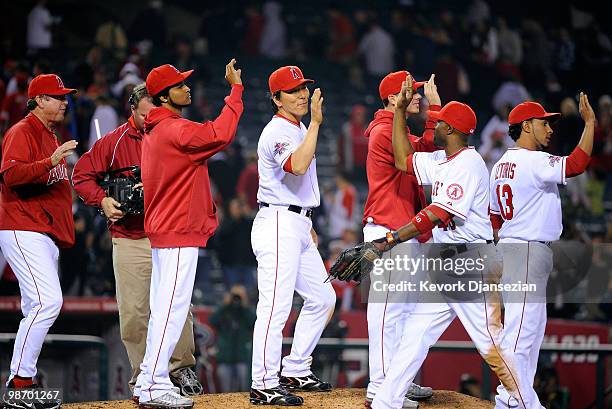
x=233, y=322
x=132, y=264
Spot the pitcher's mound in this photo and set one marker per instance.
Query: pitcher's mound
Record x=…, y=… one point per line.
x=336, y=399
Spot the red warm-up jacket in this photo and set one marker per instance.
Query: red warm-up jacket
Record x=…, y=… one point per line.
x=117, y=149
x=394, y=197
x=34, y=194
x=179, y=210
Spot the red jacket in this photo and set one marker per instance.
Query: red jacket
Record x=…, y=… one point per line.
x=394, y=197
x=34, y=195
x=119, y=148
x=179, y=210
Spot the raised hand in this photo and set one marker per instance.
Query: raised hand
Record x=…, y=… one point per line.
x=405, y=95
x=316, y=106
x=431, y=91
x=232, y=75
x=585, y=109
x=63, y=151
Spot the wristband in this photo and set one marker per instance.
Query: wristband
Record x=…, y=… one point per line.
x=393, y=237
x=422, y=223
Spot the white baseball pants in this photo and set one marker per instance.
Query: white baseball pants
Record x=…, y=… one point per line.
x=172, y=282
x=427, y=322
x=33, y=257
x=287, y=260
x=525, y=313
x=386, y=314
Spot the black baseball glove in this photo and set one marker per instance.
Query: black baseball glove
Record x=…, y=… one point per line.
x=355, y=263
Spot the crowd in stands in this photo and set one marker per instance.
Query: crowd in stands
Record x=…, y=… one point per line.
x=488, y=55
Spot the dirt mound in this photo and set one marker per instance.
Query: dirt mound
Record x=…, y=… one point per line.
x=337, y=399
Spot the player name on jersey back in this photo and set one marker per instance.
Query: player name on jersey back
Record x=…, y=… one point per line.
x=524, y=192
x=278, y=140
x=459, y=186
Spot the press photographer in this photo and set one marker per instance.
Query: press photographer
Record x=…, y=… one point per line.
x=108, y=172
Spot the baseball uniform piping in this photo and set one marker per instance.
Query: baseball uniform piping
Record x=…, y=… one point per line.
x=382, y=330
x=263, y=379
x=518, y=389
x=524, y=302
x=178, y=260
x=39, y=302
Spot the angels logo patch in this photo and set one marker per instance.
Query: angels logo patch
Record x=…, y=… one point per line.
x=454, y=191
x=552, y=159
x=280, y=148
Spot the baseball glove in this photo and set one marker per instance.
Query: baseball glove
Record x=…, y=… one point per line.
x=355, y=263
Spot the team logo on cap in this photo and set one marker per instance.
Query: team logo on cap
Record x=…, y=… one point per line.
x=552, y=159
x=295, y=73
x=280, y=148
x=174, y=68
x=59, y=82
x=454, y=191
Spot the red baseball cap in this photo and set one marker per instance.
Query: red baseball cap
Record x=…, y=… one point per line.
x=392, y=84
x=163, y=77
x=458, y=115
x=48, y=84
x=287, y=78
x=529, y=110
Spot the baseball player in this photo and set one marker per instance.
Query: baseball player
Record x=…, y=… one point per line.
x=180, y=215
x=121, y=148
x=460, y=199
x=524, y=188
x=394, y=197
x=36, y=219
x=285, y=244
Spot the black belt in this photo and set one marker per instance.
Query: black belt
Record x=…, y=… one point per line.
x=454, y=249
x=292, y=208
x=546, y=243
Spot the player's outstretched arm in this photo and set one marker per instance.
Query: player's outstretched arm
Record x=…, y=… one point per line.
x=587, y=114
x=401, y=145
x=579, y=159
x=423, y=222
x=302, y=156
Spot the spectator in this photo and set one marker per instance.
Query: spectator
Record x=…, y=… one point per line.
x=111, y=37
x=233, y=322
x=511, y=92
x=565, y=59
x=74, y=261
x=494, y=137
x=254, y=29
x=469, y=385
x=274, y=35
x=343, y=206
x=567, y=129
x=451, y=78
x=353, y=145
x=106, y=116
x=129, y=77
x=149, y=27
x=378, y=49
x=248, y=182
x=342, y=44
x=485, y=46
x=40, y=22
x=99, y=86
x=551, y=394
x=234, y=246
x=510, y=45
x=14, y=105
x=478, y=12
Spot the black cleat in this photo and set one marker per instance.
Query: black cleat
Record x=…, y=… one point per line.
x=21, y=401
x=308, y=383
x=275, y=396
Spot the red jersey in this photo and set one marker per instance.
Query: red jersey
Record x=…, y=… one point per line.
x=179, y=210
x=34, y=194
x=117, y=149
x=394, y=197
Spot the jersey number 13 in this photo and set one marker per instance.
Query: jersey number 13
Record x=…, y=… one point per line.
x=504, y=198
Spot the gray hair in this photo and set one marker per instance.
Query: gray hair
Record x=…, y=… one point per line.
x=138, y=93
